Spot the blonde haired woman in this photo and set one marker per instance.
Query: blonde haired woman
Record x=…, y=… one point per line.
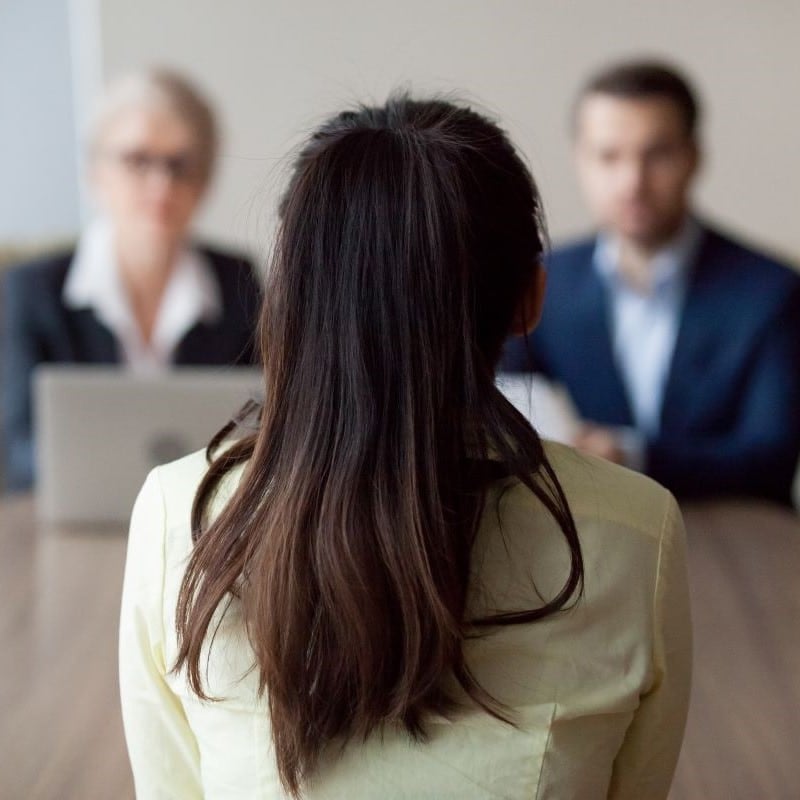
x=136, y=291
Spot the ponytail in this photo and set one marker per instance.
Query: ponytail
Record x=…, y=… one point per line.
x=408, y=232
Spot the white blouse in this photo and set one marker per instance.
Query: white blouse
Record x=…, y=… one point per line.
x=191, y=295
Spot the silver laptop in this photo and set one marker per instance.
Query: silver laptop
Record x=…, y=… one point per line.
x=99, y=431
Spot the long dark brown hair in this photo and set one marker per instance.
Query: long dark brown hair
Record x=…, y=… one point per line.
x=409, y=232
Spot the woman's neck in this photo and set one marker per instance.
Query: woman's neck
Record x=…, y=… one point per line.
x=145, y=272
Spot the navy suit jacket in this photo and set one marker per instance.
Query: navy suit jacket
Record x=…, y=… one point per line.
x=730, y=417
x=39, y=328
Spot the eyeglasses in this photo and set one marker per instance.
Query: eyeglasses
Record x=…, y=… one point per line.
x=179, y=167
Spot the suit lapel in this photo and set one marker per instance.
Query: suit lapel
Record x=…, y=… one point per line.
x=610, y=402
x=92, y=341
x=694, y=343
x=208, y=343
x=198, y=346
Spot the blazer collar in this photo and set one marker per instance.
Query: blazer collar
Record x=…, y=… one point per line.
x=192, y=295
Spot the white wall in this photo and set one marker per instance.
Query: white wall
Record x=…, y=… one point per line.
x=274, y=67
x=38, y=178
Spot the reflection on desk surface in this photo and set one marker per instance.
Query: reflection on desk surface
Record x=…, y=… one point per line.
x=60, y=726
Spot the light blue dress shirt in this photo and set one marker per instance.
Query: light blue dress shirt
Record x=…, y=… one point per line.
x=644, y=325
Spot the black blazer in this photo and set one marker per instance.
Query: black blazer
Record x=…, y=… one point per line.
x=38, y=328
x=730, y=417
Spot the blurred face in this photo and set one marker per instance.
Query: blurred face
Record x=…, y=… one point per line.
x=635, y=163
x=146, y=176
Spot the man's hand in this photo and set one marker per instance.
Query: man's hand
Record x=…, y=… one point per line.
x=598, y=441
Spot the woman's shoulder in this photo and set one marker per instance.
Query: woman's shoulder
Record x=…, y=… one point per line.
x=179, y=479
x=599, y=490
x=43, y=275
x=615, y=510
x=178, y=483
x=595, y=488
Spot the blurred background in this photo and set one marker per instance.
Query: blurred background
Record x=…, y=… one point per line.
x=273, y=69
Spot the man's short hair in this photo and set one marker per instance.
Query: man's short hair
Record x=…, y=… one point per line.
x=639, y=80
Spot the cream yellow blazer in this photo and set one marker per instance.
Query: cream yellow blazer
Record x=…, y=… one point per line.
x=598, y=692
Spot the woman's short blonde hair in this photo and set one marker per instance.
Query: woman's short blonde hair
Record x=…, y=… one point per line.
x=165, y=89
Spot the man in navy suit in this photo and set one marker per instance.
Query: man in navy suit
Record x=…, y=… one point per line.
x=679, y=346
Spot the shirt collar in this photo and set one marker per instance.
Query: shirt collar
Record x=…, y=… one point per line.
x=192, y=293
x=670, y=264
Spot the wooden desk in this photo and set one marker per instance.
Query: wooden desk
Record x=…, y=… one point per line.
x=60, y=724
x=60, y=727
x=743, y=733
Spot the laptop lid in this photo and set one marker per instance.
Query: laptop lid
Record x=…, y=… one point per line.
x=100, y=430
